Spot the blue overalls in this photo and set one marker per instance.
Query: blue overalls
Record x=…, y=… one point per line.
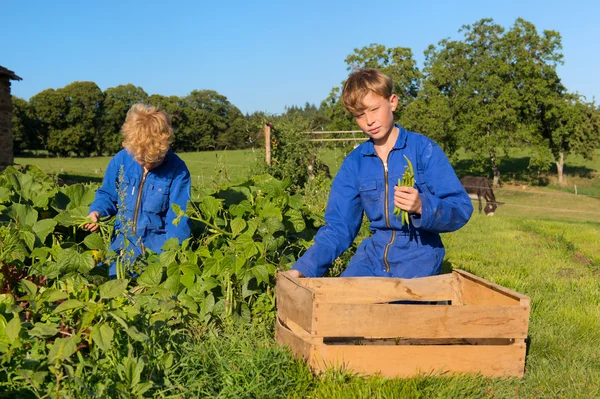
x=143, y=203
x=366, y=183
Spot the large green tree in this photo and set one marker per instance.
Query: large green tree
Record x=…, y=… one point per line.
x=84, y=102
x=23, y=127
x=48, y=108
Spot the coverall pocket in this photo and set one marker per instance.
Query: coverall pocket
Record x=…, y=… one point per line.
x=157, y=198
x=370, y=197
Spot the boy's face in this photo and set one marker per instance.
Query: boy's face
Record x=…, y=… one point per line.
x=377, y=118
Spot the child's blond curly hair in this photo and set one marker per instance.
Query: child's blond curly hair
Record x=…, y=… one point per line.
x=147, y=133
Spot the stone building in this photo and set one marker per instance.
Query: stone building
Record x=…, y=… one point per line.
x=6, y=139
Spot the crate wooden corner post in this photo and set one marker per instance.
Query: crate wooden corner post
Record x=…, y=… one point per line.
x=454, y=323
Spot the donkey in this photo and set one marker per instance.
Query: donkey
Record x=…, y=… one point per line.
x=478, y=188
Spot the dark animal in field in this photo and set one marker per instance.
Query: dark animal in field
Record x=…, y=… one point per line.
x=480, y=188
x=315, y=167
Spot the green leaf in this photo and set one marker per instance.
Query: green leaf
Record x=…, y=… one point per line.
x=210, y=207
x=136, y=335
x=261, y=272
x=152, y=276
x=29, y=287
x=12, y=329
x=44, y=330
x=43, y=227
x=237, y=226
x=69, y=260
x=168, y=257
x=94, y=242
x=270, y=210
x=28, y=238
x=113, y=288
x=103, y=335
x=53, y=295
x=68, y=305
x=23, y=215
x=62, y=349
x=296, y=219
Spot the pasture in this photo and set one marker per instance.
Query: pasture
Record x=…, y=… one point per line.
x=543, y=242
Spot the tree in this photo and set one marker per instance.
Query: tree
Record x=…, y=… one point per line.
x=23, y=127
x=84, y=102
x=117, y=101
x=395, y=62
x=209, y=115
x=49, y=109
x=570, y=126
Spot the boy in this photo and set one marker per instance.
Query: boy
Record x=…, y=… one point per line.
x=367, y=181
x=141, y=183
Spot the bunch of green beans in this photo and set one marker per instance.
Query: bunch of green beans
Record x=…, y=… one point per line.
x=407, y=180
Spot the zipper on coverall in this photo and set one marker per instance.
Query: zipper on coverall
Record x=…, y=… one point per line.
x=387, y=213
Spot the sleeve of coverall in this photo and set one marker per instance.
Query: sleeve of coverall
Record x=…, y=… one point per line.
x=343, y=217
x=180, y=195
x=105, y=201
x=445, y=205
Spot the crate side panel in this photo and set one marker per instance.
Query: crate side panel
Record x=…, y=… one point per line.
x=380, y=290
x=478, y=291
x=294, y=302
x=407, y=361
x=299, y=345
x=420, y=321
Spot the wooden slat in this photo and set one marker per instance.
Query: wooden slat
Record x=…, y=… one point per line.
x=297, y=343
x=361, y=290
x=419, y=321
x=406, y=361
x=477, y=291
x=294, y=301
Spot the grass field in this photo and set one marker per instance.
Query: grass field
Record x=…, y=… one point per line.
x=543, y=242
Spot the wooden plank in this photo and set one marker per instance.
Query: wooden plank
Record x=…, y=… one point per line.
x=419, y=321
x=407, y=361
x=299, y=344
x=380, y=290
x=477, y=291
x=294, y=301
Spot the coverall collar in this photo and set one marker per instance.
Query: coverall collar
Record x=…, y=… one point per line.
x=369, y=147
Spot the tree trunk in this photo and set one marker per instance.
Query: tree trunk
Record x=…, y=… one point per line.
x=495, y=169
x=560, y=165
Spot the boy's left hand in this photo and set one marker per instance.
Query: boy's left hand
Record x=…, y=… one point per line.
x=407, y=199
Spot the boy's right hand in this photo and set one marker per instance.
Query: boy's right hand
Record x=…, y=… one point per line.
x=93, y=227
x=295, y=274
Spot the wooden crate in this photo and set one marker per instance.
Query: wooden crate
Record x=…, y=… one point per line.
x=455, y=323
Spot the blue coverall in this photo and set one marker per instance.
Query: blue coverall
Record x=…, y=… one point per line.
x=143, y=203
x=365, y=183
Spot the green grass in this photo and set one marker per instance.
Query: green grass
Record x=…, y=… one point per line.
x=554, y=262
x=542, y=242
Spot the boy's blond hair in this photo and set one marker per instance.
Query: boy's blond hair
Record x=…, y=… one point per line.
x=147, y=133
x=362, y=82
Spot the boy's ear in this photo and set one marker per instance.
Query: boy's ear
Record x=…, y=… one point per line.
x=394, y=102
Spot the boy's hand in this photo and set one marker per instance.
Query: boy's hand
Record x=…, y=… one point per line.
x=93, y=227
x=407, y=199
x=295, y=274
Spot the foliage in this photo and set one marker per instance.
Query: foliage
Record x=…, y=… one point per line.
x=66, y=330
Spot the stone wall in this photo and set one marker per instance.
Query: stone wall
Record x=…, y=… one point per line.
x=6, y=141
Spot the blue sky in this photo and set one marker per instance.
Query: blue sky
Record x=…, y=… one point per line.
x=262, y=55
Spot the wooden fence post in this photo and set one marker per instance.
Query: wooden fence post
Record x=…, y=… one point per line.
x=267, y=131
